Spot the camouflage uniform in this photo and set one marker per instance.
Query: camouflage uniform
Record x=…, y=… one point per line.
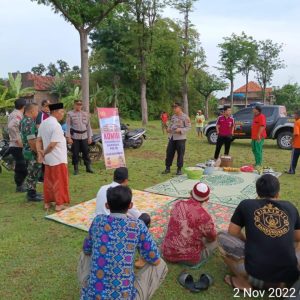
x=28, y=132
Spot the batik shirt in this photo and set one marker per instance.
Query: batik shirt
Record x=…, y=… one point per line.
x=28, y=132
x=112, y=242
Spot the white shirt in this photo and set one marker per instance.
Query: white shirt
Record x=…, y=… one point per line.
x=101, y=201
x=51, y=131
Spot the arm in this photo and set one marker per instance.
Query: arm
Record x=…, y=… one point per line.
x=186, y=128
x=50, y=147
x=68, y=127
x=217, y=126
x=208, y=229
x=297, y=236
x=39, y=149
x=89, y=130
x=32, y=144
x=236, y=231
x=14, y=132
x=233, y=127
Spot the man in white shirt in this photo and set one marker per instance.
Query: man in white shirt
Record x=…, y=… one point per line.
x=52, y=151
x=120, y=177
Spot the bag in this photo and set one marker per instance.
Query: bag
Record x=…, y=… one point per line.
x=84, y=269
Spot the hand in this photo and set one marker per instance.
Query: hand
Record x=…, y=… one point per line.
x=178, y=130
x=90, y=141
x=69, y=141
x=40, y=157
x=169, y=130
x=259, y=137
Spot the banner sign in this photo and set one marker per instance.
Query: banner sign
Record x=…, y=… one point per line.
x=111, y=137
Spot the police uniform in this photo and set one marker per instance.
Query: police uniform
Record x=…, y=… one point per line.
x=29, y=132
x=79, y=129
x=15, y=149
x=177, y=141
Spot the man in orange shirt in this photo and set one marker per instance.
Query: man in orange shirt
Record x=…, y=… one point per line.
x=296, y=144
x=258, y=134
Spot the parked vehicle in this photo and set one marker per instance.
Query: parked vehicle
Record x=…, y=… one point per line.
x=279, y=126
x=132, y=138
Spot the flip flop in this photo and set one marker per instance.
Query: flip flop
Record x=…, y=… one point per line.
x=187, y=281
x=231, y=283
x=204, y=282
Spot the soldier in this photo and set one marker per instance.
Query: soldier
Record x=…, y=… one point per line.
x=15, y=144
x=29, y=133
x=179, y=125
x=79, y=134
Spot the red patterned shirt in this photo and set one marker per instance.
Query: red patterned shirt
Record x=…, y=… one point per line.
x=189, y=224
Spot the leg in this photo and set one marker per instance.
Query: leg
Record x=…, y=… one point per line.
x=254, y=151
x=220, y=142
x=198, y=131
x=180, y=147
x=48, y=186
x=170, y=153
x=61, y=183
x=84, y=148
x=294, y=160
x=227, y=141
x=34, y=169
x=20, y=167
x=148, y=280
x=260, y=152
x=75, y=155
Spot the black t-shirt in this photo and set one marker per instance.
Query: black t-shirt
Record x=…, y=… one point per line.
x=269, y=249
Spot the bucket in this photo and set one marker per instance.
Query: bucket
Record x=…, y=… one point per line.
x=226, y=161
x=193, y=172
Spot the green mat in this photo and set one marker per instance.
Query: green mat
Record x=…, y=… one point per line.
x=228, y=189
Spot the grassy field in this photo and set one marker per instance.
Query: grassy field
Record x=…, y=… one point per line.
x=38, y=258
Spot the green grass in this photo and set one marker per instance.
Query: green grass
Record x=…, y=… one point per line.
x=38, y=258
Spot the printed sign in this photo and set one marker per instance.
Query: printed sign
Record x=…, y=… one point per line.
x=111, y=137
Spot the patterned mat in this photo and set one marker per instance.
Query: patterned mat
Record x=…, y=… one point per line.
x=226, y=188
x=81, y=216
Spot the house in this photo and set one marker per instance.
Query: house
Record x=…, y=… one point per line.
x=41, y=86
x=254, y=95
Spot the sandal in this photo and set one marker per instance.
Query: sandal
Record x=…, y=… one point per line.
x=204, y=282
x=187, y=281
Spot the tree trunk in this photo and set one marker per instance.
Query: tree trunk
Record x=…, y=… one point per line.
x=246, y=96
x=231, y=94
x=264, y=93
x=144, y=105
x=206, y=107
x=185, y=65
x=84, y=53
x=185, y=94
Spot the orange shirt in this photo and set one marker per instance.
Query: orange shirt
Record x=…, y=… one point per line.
x=296, y=142
x=258, y=121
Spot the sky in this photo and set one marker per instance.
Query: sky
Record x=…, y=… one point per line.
x=32, y=33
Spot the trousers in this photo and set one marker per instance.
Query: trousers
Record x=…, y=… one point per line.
x=20, y=166
x=257, y=149
x=34, y=171
x=173, y=147
x=83, y=147
x=294, y=159
x=223, y=140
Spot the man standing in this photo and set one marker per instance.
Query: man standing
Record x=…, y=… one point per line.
x=296, y=144
x=258, y=135
x=178, y=127
x=225, y=131
x=52, y=150
x=16, y=145
x=199, y=120
x=28, y=133
x=79, y=134
x=44, y=113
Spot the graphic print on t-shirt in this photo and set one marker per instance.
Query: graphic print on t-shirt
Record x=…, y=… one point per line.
x=271, y=221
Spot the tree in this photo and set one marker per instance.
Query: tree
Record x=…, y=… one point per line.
x=63, y=66
x=267, y=62
x=288, y=95
x=40, y=69
x=206, y=84
x=248, y=58
x=51, y=70
x=60, y=87
x=230, y=56
x=84, y=15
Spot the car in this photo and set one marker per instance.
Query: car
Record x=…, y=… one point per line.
x=279, y=126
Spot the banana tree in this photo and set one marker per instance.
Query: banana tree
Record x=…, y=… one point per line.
x=68, y=101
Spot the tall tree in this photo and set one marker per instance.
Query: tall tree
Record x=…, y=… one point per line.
x=206, y=84
x=84, y=15
x=230, y=56
x=248, y=58
x=51, y=69
x=40, y=69
x=63, y=66
x=267, y=62
x=288, y=95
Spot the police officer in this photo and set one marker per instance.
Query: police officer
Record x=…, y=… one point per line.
x=16, y=145
x=29, y=133
x=79, y=134
x=178, y=127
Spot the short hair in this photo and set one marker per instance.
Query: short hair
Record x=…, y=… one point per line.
x=45, y=101
x=267, y=186
x=119, y=198
x=226, y=107
x=30, y=106
x=258, y=107
x=120, y=174
x=20, y=103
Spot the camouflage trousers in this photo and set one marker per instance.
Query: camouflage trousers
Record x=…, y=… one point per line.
x=34, y=171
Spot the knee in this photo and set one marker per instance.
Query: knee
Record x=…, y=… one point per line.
x=146, y=219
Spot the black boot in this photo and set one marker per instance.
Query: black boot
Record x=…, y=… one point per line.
x=166, y=171
x=89, y=169
x=21, y=189
x=179, y=172
x=33, y=196
x=76, y=171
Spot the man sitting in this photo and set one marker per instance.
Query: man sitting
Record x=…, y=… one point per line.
x=112, y=242
x=267, y=257
x=191, y=231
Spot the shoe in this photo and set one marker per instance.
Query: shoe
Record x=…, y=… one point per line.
x=21, y=189
x=89, y=169
x=76, y=171
x=37, y=197
x=179, y=172
x=289, y=172
x=166, y=171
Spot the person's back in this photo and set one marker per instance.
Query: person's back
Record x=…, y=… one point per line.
x=269, y=248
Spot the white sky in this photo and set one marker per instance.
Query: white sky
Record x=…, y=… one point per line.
x=32, y=34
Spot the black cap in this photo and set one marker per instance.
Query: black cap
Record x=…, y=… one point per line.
x=176, y=104
x=120, y=174
x=20, y=103
x=258, y=107
x=56, y=106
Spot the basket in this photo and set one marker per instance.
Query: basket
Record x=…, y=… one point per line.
x=226, y=161
x=193, y=172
